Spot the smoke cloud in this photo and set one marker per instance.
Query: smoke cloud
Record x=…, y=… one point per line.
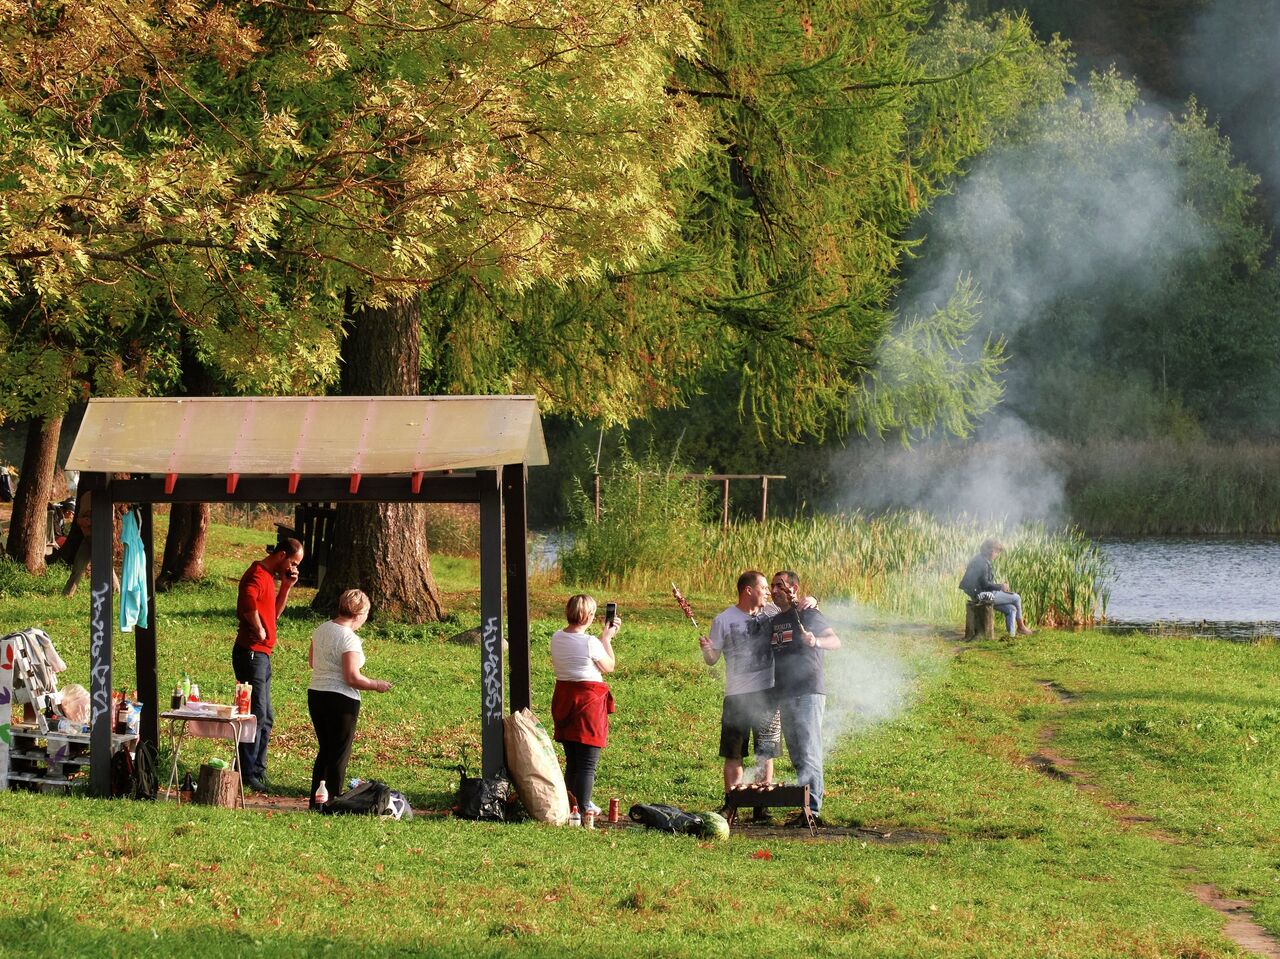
x=1082, y=221
x=1009, y=476
x=874, y=676
x=1231, y=59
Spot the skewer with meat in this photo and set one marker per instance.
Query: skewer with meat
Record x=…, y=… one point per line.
x=684, y=604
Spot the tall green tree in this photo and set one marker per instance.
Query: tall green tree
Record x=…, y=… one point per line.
x=833, y=125
x=264, y=176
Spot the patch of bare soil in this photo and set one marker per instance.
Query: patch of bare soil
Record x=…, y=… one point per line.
x=875, y=835
x=1240, y=927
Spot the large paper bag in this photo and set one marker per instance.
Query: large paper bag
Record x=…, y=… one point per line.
x=534, y=768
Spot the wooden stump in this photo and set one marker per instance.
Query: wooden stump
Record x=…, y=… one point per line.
x=218, y=787
x=979, y=620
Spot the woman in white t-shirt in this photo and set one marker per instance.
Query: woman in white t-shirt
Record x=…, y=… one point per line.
x=582, y=702
x=333, y=698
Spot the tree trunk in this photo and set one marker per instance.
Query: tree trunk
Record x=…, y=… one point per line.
x=184, y=544
x=218, y=787
x=382, y=548
x=35, y=488
x=183, y=557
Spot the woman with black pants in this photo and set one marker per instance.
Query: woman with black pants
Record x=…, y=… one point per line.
x=333, y=698
x=582, y=702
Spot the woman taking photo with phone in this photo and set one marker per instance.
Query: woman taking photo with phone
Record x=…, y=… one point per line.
x=333, y=698
x=582, y=702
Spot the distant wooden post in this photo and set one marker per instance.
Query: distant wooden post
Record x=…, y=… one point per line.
x=724, y=520
x=764, y=498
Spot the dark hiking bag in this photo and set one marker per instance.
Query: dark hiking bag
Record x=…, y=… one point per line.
x=145, y=782
x=368, y=798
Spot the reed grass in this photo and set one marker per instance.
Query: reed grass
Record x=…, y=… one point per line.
x=1164, y=488
x=903, y=564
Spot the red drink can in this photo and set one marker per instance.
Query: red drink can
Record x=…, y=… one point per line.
x=613, y=810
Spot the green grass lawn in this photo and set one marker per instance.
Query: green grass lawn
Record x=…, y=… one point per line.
x=1182, y=732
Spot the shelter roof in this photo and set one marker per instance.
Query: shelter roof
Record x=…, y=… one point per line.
x=309, y=436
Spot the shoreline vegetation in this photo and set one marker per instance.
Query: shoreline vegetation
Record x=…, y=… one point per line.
x=1065, y=794
x=1153, y=487
x=904, y=564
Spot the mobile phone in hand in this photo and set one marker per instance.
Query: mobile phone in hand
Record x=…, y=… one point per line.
x=610, y=613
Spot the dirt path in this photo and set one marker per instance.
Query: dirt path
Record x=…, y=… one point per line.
x=1240, y=927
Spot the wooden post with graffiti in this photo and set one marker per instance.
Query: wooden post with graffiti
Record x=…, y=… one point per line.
x=492, y=751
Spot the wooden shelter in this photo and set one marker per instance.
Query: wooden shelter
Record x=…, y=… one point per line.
x=428, y=449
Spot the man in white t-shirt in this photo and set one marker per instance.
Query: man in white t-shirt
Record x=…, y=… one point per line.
x=741, y=635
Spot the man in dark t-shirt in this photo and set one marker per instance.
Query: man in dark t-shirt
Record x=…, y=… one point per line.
x=799, y=638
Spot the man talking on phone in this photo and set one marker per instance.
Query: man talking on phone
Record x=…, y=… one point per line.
x=258, y=605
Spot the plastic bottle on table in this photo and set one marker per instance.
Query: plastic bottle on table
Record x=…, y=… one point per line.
x=186, y=686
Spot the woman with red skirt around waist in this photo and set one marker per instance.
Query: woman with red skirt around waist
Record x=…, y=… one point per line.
x=582, y=702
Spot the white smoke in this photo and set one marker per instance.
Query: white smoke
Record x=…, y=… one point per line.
x=1231, y=59
x=873, y=677
x=1077, y=222
x=1009, y=476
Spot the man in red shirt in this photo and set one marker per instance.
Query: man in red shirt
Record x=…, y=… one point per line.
x=257, y=607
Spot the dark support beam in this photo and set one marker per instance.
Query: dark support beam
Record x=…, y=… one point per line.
x=144, y=639
x=515, y=513
x=461, y=488
x=492, y=754
x=101, y=717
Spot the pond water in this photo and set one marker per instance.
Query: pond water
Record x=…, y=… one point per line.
x=1227, y=587
x=1203, y=586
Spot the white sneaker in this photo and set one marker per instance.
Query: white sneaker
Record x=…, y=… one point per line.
x=592, y=807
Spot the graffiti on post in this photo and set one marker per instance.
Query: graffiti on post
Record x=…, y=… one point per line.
x=101, y=670
x=491, y=670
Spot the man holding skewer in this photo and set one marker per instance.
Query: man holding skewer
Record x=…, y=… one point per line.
x=741, y=634
x=799, y=637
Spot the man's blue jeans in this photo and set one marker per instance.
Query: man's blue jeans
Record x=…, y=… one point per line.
x=255, y=669
x=1011, y=605
x=802, y=729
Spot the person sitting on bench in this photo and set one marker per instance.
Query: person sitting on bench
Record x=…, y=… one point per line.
x=979, y=578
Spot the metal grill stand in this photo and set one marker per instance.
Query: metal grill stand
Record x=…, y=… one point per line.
x=758, y=795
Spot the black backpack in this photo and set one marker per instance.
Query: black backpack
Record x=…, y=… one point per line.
x=666, y=818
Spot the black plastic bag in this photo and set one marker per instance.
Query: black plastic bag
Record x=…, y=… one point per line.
x=666, y=818
x=482, y=799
